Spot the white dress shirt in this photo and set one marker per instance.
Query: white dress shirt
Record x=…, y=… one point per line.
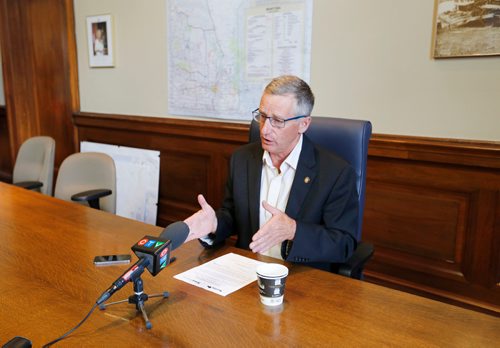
x=275, y=188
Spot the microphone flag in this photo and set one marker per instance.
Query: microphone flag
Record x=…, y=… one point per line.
x=156, y=250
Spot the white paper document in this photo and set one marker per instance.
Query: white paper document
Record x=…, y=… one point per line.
x=222, y=275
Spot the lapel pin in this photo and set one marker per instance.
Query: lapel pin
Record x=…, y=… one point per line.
x=307, y=179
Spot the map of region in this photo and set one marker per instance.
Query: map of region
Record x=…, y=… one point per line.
x=207, y=57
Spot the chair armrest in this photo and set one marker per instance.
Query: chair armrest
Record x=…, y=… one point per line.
x=29, y=185
x=91, y=196
x=353, y=267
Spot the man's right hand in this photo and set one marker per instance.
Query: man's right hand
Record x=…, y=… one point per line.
x=202, y=222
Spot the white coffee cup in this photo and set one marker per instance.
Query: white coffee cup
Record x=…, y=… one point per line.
x=271, y=278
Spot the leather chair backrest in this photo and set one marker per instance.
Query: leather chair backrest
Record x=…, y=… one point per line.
x=87, y=171
x=35, y=162
x=345, y=137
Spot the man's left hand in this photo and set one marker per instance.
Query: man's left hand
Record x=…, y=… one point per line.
x=278, y=229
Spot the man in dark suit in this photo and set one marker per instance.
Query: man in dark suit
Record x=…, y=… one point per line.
x=285, y=197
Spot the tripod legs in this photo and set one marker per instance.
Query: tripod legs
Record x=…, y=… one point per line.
x=138, y=299
x=144, y=315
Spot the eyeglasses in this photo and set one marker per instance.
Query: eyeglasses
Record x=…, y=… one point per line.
x=275, y=122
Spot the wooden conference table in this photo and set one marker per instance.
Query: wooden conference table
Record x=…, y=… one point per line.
x=48, y=283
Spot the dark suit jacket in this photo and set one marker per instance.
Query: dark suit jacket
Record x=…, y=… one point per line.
x=324, y=205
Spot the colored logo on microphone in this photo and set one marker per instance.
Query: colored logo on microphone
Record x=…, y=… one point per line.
x=163, y=252
x=127, y=275
x=142, y=241
x=150, y=243
x=159, y=244
x=163, y=260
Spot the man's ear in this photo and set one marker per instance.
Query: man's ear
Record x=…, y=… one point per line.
x=304, y=124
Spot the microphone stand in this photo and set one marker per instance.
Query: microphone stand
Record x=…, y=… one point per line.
x=138, y=299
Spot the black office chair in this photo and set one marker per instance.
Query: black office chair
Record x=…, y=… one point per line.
x=349, y=140
x=88, y=178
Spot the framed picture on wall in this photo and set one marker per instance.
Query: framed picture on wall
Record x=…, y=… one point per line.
x=100, y=41
x=466, y=28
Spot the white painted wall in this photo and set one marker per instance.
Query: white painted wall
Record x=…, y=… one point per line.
x=370, y=60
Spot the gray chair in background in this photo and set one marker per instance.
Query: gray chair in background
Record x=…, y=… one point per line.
x=88, y=178
x=34, y=166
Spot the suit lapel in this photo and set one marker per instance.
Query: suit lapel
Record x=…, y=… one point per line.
x=254, y=170
x=303, y=180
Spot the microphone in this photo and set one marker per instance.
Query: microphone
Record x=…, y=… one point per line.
x=153, y=254
x=177, y=232
x=157, y=249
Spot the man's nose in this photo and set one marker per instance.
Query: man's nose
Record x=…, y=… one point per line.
x=265, y=127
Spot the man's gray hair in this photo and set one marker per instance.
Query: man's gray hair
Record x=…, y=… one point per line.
x=292, y=85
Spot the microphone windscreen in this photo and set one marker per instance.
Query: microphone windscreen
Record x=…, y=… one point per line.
x=177, y=233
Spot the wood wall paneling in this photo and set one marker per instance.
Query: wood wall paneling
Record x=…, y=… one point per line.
x=495, y=245
x=16, y=62
x=431, y=212
x=40, y=75
x=5, y=154
x=407, y=220
x=432, y=205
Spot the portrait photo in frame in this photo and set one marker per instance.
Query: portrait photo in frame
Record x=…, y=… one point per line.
x=466, y=28
x=100, y=41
